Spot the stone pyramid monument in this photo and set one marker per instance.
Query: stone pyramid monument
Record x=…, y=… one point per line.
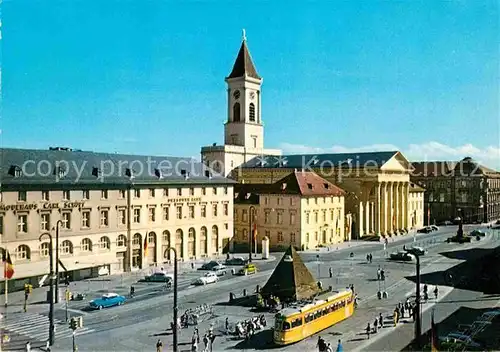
x=291, y=280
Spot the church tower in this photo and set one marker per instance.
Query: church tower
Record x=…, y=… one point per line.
x=244, y=124
x=243, y=129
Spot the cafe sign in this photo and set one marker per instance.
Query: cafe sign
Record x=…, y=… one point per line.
x=184, y=200
x=35, y=206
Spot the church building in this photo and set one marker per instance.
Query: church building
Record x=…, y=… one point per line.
x=244, y=128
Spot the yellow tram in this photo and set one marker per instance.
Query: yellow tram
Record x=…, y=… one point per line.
x=297, y=322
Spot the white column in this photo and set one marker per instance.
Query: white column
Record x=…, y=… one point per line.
x=406, y=189
x=385, y=208
x=367, y=217
x=373, y=214
x=390, y=204
x=360, y=220
x=377, y=208
x=397, y=190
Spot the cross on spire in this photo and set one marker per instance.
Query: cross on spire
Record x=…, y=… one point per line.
x=244, y=35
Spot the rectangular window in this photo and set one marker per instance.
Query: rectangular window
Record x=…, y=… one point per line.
x=280, y=201
x=191, y=211
x=165, y=192
x=292, y=237
x=152, y=214
x=244, y=215
x=280, y=236
x=441, y=197
x=324, y=215
x=179, y=192
x=191, y=191
x=179, y=212
x=45, y=195
x=45, y=222
x=86, y=219
x=292, y=218
x=66, y=195
x=1, y=224
x=307, y=218
x=104, y=218
x=137, y=215
x=151, y=193
x=225, y=190
x=279, y=218
x=122, y=217
x=203, y=191
x=214, y=210
x=332, y=215
x=66, y=220
x=226, y=209
x=104, y=194
x=266, y=200
x=316, y=216
x=137, y=193
x=21, y=196
x=235, y=215
x=214, y=191
x=85, y=194
x=266, y=217
x=166, y=213
x=268, y=234
x=121, y=194
x=203, y=211
x=292, y=201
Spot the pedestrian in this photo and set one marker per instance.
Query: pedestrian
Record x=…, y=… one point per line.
x=395, y=317
x=330, y=272
x=382, y=275
x=329, y=348
x=205, y=343
x=367, y=258
x=47, y=346
x=375, y=325
x=28, y=347
x=436, y=291
x=321, y=345
x=381, y=320
x=378, y=273
x=194, y=346
x=159, y=346
x=212, y=339
x=339, y=346
x=227, y=325
x=368, y=330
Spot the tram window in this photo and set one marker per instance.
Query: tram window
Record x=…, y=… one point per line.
x=307, y=319
x=297, y=322
x=286, y=325
x=324, y=312
x=277, y=325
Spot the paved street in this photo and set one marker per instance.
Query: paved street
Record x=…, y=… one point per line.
x=138, y=324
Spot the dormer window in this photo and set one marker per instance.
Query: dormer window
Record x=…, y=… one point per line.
x=96, y=172
x=60, y=171
x=327, y=185
x=310, y=186
x=247, y=196
x=130, y=173
x=207, y=174
x=158, y=173
x=283, y=186
x=15, y=171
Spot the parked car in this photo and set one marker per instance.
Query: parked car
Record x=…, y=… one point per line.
x=457, y=239
x=434, y=228
x=159, y=277
x=402, y=255
x=236, y=261
x=210, y=266
x=477, y=232
x=425, y=230
x=107, y=300
x=416, y=250
x=220, y=270
x=208, y=278
x=248, y=269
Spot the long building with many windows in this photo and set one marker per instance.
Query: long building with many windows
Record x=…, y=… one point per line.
x=117, y=212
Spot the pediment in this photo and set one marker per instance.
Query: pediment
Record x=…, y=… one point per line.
x=397, y=163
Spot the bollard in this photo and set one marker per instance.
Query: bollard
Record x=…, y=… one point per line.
x=384, y=295
x=257, y=289
x=244, y=292
x=231, y=297
x=233, y=272
x=379, y=295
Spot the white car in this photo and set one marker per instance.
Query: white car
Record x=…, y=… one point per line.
x=219, y=267
x=208, y=278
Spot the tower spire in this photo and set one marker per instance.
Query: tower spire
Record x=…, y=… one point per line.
x=244, y=35
x=244, y=66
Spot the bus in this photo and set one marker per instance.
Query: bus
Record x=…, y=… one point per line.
x=304, y=319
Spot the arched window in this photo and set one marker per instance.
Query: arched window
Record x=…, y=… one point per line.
x=136, y=240
x=86, y=245
x=178, y=236
x=152, y=238
x=66, y=247
x=251, y=112
x=236, y=112
x=104, y=243
x=166, y=238
x=44, y=249
x=121, y=241
x=23, y=252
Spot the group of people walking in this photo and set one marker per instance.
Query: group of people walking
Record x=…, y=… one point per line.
x=323, y=346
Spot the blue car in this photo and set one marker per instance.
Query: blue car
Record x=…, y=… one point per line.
x=107, y=300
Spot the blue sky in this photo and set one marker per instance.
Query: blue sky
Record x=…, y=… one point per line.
x=147, y=77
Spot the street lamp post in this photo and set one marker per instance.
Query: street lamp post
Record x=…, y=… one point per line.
x=418, y=322
x=251, y=234
x=59, y=222
x=174, y=326
x=51, y=292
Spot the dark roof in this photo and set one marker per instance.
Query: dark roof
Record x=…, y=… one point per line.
x=308, y=161
x=291, y=280
x=466, y=166
x=27, y=167
x=305, y=183
x=243, y=66
x=416, y=188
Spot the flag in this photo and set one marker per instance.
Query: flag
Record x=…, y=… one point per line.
x=434, y=336
x=145, y=251
x=254, y=232
x=8, y=267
